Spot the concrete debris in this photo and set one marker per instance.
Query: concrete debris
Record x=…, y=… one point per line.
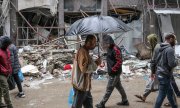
x=143, y=51
x=30, y=70
x=47, y=65
x=36, y=63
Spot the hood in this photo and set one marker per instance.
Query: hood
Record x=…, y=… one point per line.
x=4, y=41
x=164, y=46
x=107, y=39
x=152, y=38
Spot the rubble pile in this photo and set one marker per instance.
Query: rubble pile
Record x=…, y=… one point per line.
x=135, y=68
x=36, y=62
x=50, y=63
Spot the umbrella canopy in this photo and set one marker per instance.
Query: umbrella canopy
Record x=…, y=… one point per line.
x=97, y=24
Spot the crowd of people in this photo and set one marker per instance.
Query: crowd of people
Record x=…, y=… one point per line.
x=163, y=62
x=9, y=66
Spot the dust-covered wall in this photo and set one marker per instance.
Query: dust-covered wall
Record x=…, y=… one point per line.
x=85, y=5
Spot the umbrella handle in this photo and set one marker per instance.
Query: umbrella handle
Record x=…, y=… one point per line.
x=98, y=46
x=98, y=50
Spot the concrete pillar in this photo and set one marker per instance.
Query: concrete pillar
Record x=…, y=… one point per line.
x=61, y=16
x=104, y=7
x=13, y=20
x=6, y=29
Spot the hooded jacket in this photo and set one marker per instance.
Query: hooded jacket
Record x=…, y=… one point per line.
x=152, y=38
x=14, y=59
x=114, y=57
x=5, y=63
x=166, y=60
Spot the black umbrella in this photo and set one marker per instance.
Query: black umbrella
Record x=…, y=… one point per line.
x=96, y=25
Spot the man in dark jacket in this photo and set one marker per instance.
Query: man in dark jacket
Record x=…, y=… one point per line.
x=15, y=69
x=114, y=65
x=165, y=63
x=5, y=71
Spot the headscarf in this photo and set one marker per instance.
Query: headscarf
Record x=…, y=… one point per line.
x=152, y=38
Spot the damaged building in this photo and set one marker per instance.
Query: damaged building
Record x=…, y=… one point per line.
x=35, y=22
x=162, y=17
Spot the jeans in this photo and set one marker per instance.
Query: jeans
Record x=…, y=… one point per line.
x=165, y=89
x=114, y=82
x=82, y=98
x=175, y=87
x=18, y=82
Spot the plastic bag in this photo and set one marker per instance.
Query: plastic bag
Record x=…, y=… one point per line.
x=21, y=76
x=152, y=84
x=11, y=82
x=71, y=98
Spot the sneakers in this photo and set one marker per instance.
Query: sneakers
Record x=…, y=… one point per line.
x=125, y=103
x=21, y=95
x=100, y=105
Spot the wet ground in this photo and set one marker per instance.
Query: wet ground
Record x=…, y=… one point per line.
x=54, y=94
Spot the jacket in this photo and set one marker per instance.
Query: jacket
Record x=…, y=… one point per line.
x=166, y=60
x=114, y=61
x=82, y=69
x=14, y=59
x=153, y=64
x=5, y=63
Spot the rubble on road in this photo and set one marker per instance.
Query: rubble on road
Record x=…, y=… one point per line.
x=49, y=64
x=37, y=62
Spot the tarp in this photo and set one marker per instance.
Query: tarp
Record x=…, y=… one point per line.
x=50, y=4
x=165, y=24
x=168, y=21
x=131, y=38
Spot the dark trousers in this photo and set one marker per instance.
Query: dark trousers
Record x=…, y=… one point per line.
x=4, y=91
x=174, y=86
x=114, y=82
x=165, y=89
x=82, y=98
x=18, y=82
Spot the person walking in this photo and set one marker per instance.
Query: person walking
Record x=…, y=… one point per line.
x=155, y=46
x=150, y=87
x=83, y=67
x=5, y=71
x=15, y=69
x=114, y=66
x=165, y=63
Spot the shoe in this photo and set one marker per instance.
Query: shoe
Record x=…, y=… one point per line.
x=140, y=97
x=178, y=95
x=9, y=106
x=167, y=104
x=2, y=105
x=21, y=95
x=125, y=103
x=100, y=105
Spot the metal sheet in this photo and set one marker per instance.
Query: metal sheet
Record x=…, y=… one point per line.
x=167, y=11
